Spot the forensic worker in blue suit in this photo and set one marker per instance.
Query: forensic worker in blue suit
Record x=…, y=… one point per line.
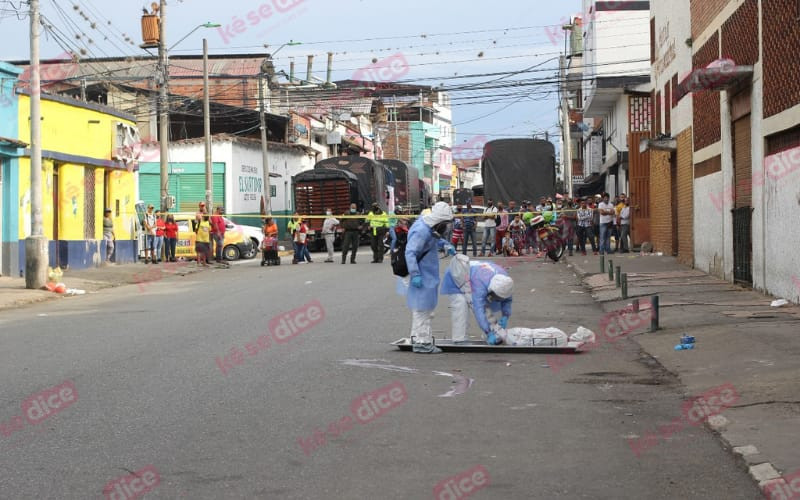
x=486, y=287
x=422, y=258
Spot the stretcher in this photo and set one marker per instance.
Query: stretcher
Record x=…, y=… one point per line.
x=447, y=345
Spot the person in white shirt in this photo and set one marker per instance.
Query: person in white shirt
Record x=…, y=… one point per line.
x=489, y=228
x=329, y=232
x=607, y=214
x=625, y=225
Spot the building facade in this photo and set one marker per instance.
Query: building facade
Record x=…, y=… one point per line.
x=746, y=131
x=87, y=166
x=11, y=148
x=237, y=175
x=616, y=77
x=671, y=208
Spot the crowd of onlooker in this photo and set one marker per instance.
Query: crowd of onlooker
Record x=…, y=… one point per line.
x=506, y=229
x=161, y=235
x=511, y=231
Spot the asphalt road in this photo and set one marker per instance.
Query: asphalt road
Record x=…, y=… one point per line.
x=150, y=383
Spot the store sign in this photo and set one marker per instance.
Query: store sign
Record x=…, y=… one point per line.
x=248, y=189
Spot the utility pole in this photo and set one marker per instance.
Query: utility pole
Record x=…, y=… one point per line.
x=163, y=125
x=36, y=255
x=567, y=153
x=207, y=131
x=264, y=151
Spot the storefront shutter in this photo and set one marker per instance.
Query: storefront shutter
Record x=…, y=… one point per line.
x=149, y=189
x=190, y=189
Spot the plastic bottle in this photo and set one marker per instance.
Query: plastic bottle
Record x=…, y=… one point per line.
x=681, y=347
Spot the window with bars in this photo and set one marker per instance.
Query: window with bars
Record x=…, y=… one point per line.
x=639, y=112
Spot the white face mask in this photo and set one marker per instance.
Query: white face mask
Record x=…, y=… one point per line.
x=329, y=212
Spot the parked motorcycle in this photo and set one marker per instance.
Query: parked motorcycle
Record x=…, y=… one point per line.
x=549, y=237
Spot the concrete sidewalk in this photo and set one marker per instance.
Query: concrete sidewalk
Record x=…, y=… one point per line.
x=14, y=294
x=740, y=340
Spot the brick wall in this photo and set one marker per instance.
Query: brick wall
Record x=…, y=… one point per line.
x=703, y=13
x=685, y=181
x=391, y=139
x=661, y=202
x=707, y=128
x=740, y=34
x=781, y=33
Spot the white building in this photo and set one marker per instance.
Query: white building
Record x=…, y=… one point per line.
x=237, y=175
x=616, y=60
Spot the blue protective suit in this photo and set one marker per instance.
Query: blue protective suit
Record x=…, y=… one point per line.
x=422, y=258
x=480, y=274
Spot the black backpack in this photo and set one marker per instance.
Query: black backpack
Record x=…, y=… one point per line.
x=398, y=256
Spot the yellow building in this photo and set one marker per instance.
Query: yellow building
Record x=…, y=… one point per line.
x=88, y=162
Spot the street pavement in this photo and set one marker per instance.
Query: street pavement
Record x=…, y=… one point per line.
x=279, y=382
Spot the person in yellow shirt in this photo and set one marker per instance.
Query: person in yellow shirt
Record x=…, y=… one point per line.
x=618, y=208
x=203, y=241
x=379, y=223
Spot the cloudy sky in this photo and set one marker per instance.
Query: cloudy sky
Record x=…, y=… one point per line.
x=509, y=45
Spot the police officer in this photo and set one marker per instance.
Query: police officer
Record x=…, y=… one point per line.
x=352, y=232
x=378, y=224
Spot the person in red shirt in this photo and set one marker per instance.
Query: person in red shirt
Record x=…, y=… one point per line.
x=170, y=237
x=300, y=236
x=159, y=240
x=218, y=233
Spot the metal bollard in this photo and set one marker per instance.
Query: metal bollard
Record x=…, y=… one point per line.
x=602, y=263
x=619, y=277
x=624, y=285
x=654, y=313
x=610, y=270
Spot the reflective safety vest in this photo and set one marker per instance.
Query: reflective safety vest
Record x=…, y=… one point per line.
x=377, y=221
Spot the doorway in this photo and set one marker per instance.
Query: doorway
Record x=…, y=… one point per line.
x=743, y=189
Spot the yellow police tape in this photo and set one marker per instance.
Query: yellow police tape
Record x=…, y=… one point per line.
x=393, y=216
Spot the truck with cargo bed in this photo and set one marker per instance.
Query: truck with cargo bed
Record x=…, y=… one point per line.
x=337, y=182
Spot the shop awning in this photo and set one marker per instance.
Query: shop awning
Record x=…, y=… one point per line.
x=665, y=143
x=719, y=75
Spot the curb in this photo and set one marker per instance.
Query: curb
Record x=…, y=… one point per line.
x=579, y=270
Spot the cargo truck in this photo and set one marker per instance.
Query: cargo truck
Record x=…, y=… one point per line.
x=337, y=182
x=406, y=186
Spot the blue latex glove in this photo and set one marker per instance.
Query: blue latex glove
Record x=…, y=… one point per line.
x=450, y=250
x=503, y=322
x=493, y=339
x=416, y=281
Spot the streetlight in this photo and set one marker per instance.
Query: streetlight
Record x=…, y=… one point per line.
x=268, y=69
x=204, y=25
x=290, y=43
